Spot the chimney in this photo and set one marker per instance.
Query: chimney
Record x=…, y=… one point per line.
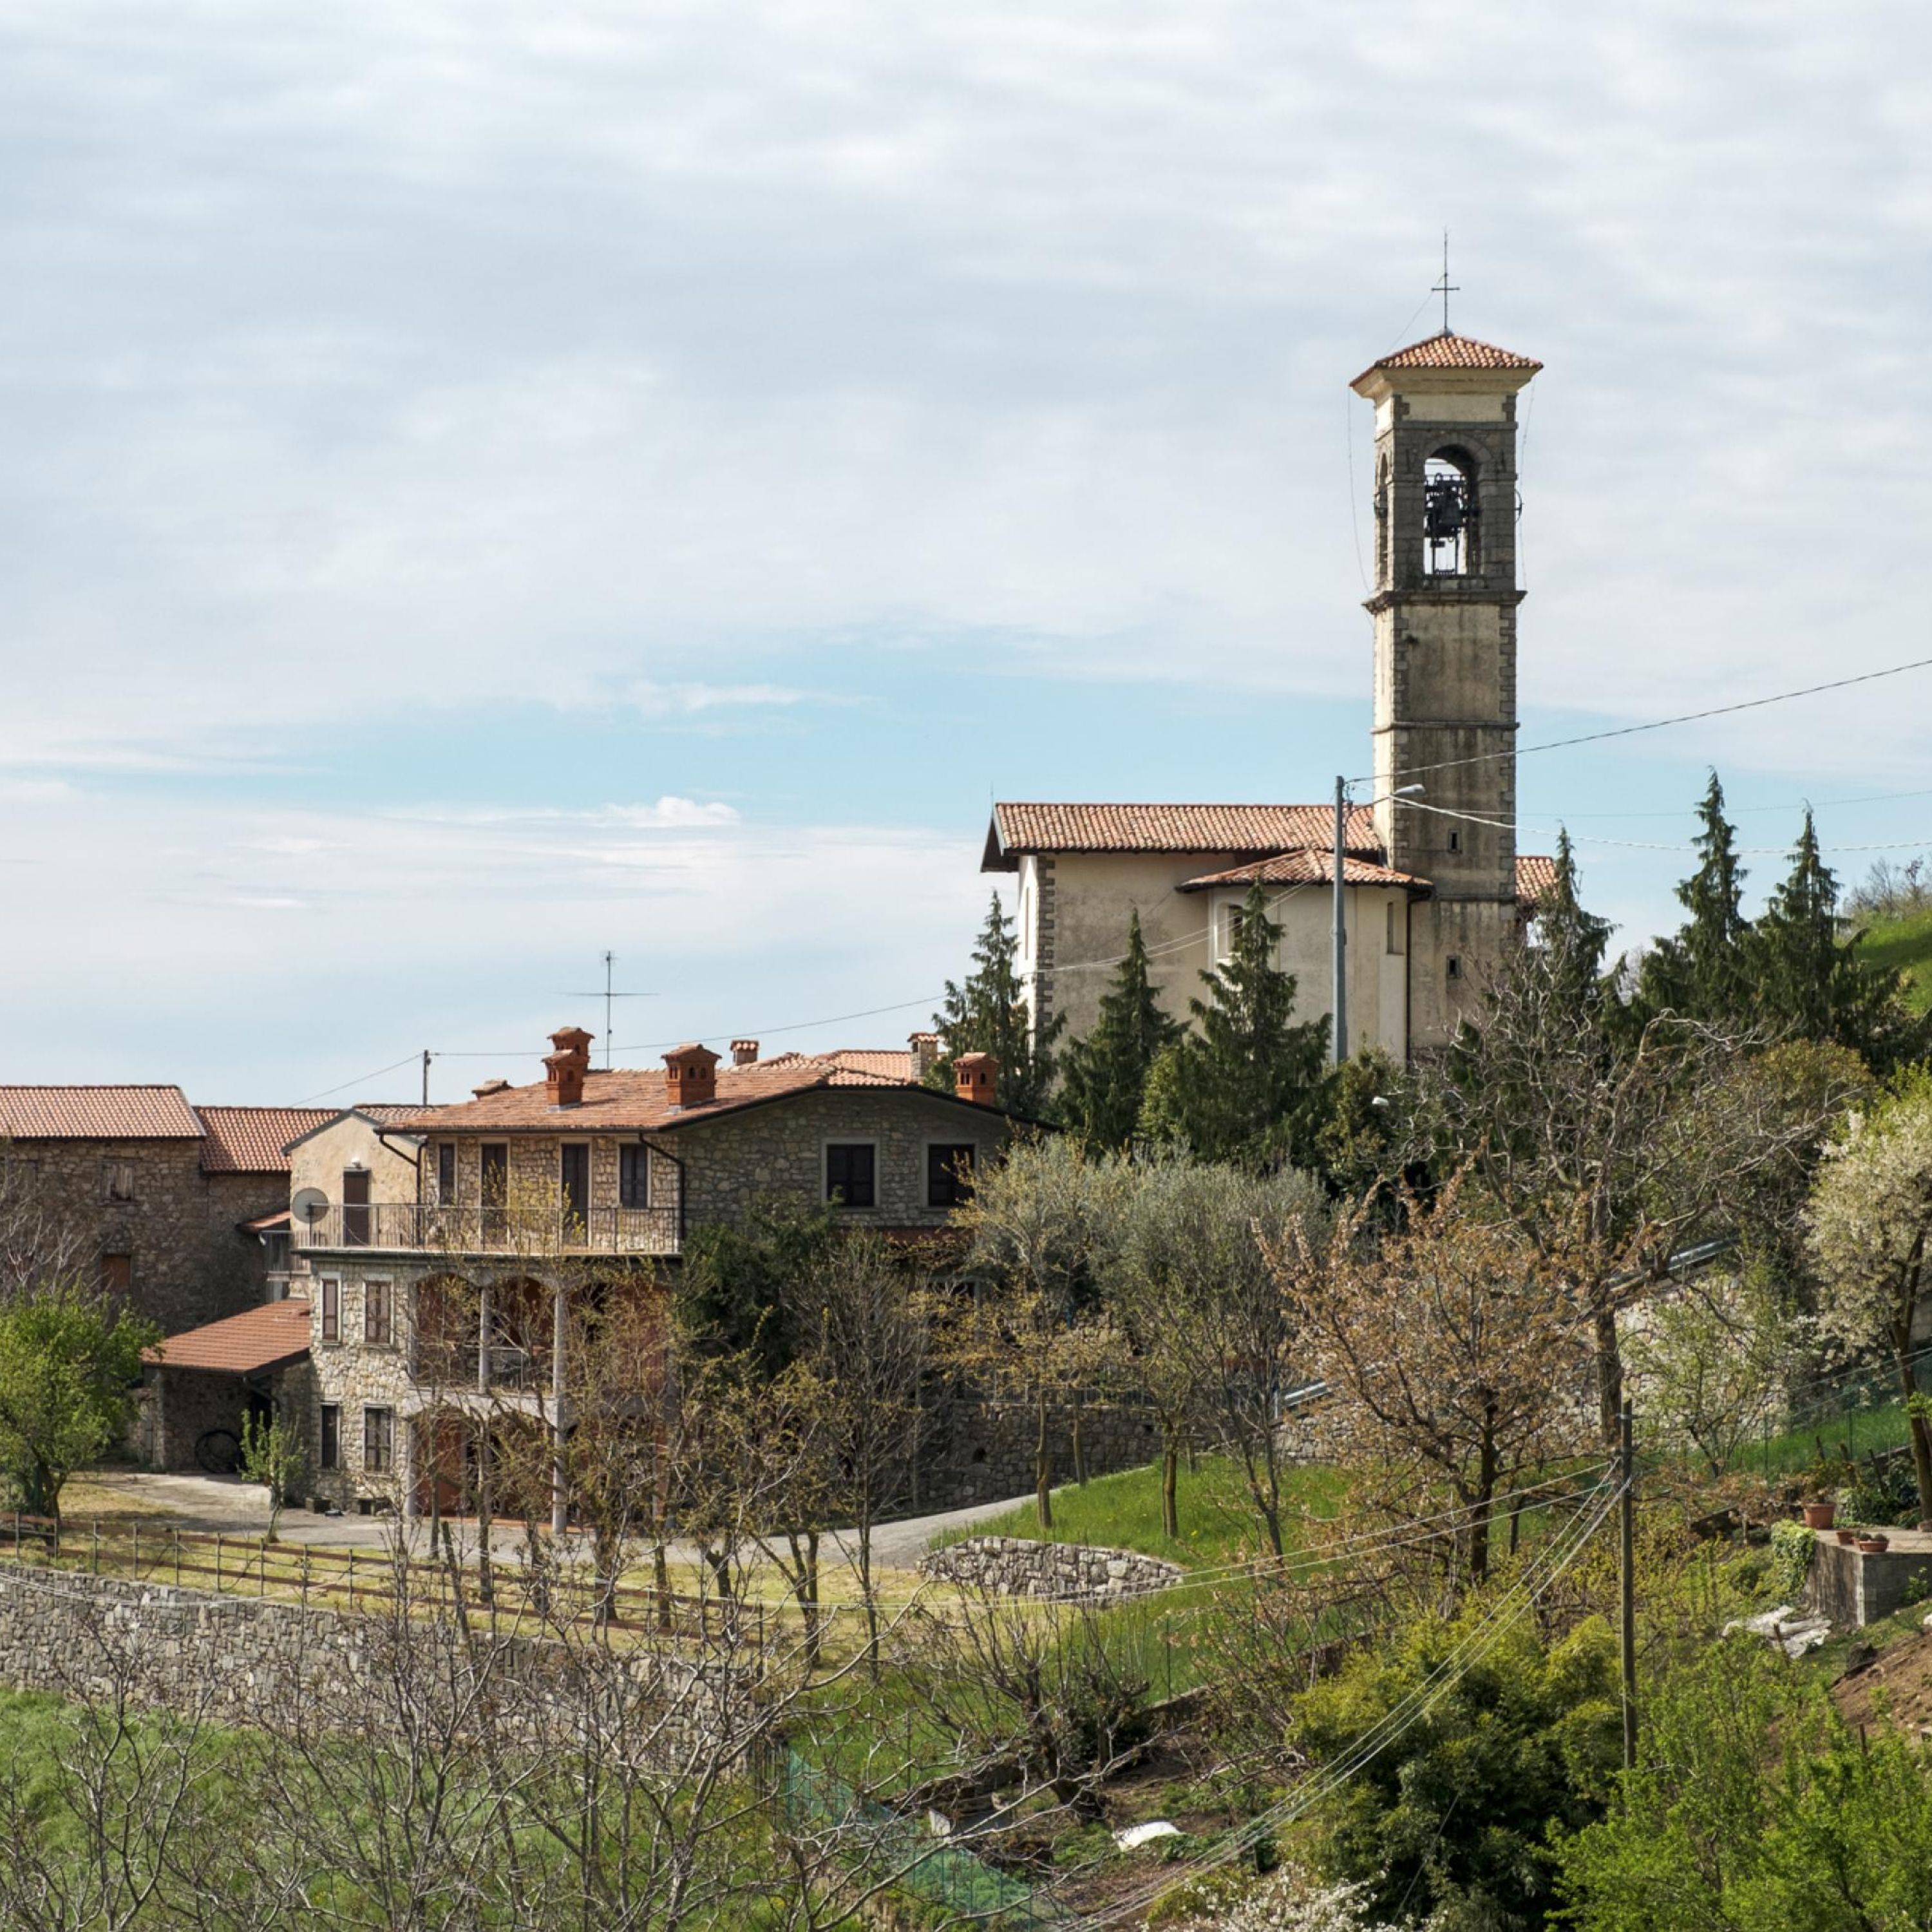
x=744, y=1053
x=924, y=1052
x=691, y=1075
x=567, y=1065
x=488, y=1087
x=974, y=1077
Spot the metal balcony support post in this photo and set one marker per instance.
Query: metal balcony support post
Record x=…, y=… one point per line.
x=559, y=1480
x=485, y=1317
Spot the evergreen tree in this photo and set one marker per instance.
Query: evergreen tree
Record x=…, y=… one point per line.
x=1248, y=1086
x=1573, y=939
x=1704, y=971
x=988, y=1015
x=1814, y=985
x=1106, y=1073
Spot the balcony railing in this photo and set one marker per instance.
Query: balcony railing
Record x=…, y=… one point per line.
x=501, y=1365
x=407, y=1228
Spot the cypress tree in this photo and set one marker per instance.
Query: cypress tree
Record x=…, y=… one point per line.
x=1814, y=985
x=1704, y=971
x=1106, y=1073
x=1573, y=939
x=1247, y=1085
x=988, y=1015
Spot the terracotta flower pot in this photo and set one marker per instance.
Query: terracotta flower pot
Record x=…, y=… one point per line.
x=1818, y=1515
x=1873, y=1545
x=1848, y=1536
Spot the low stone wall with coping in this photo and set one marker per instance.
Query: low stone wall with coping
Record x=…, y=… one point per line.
x=1015, y=1566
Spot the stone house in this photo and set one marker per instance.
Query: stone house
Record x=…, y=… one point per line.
x=1433, y=892
x=172, y=1205
x=437, y=1253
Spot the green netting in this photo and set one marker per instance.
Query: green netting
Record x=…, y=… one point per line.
x=930, y=1868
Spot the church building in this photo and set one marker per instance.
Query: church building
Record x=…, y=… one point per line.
x=1434, y=892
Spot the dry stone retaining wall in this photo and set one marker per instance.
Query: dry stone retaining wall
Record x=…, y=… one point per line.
x=235, y=1660
x=1013, y=1566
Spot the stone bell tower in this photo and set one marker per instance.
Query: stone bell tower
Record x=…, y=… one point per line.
x=1444, y=610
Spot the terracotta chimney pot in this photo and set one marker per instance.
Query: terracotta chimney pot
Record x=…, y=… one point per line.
x=691, y=1075
x=744, y=1053
x=976, y=1076
x=488, y=1087
x=565, y=1068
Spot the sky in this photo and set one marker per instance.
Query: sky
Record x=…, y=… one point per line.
x=481, y=485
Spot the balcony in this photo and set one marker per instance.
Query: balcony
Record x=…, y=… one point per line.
x=535, y=1234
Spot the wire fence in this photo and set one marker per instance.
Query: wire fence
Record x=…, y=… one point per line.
x=902, y=1850
x=384, y=1582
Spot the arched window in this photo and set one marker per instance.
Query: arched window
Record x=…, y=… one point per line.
x=1449, y=514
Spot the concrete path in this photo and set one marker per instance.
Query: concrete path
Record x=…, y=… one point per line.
x=233, y=1506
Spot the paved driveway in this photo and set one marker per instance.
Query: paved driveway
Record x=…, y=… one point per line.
x=229, y=1505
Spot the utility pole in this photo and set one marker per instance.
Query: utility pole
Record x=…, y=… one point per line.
x=425, y=1099
x=1341, y=965
x=1627, y=1564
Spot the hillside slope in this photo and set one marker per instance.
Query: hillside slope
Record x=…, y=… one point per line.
x=1904, y=940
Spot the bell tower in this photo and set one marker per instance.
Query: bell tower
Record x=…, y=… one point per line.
x=1444, y=612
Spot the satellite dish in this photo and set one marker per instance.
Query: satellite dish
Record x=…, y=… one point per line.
x=309, y=1205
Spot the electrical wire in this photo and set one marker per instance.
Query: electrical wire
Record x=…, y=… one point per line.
x=1658, y=724
x=408, y=1059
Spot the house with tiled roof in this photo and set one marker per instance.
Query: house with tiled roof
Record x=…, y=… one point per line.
x=440, y=1252
x=168, y=1204
x=1432, y=893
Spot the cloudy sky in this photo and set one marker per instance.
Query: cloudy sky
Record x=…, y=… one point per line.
x=483, y=484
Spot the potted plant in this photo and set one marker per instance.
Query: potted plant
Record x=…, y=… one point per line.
x=1818, y=1515
x=1848, y=1535
x=1873, y=1542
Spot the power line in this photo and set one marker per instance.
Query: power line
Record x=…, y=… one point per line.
x=407, y=1060
x=1658, y=724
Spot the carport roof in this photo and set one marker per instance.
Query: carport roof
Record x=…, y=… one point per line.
x=242, y=1344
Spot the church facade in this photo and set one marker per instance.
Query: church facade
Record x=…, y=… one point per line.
x=1434, y=892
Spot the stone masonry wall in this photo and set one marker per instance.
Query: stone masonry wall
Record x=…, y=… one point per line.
x=188, y=1261
x=1011, y=1566
x=237, y=1661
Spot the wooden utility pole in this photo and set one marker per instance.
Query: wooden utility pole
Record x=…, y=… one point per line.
x=1626, y=1566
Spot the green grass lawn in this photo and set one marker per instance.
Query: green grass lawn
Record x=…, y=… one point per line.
x=1218, y=1522
x=1905, y=943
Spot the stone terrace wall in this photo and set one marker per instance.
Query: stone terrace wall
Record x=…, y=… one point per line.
x=981, y=1451
x=1012, y=1566
x=233, y=1660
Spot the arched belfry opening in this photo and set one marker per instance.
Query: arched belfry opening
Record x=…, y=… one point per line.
x=1450, y=514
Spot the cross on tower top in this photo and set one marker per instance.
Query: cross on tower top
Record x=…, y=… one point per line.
x=1445, y=288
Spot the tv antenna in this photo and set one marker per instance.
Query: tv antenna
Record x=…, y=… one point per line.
x=608, y=994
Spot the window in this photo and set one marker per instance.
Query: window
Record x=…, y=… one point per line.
x=492, y=1184
x=329, y=1454
x=1455, y=842
x=117, y=1274
x=1448, y=514
x=849, y=1168
x=445, y=1172
x=1395, y=925
x=376, y=1311
x=331, y=1311
x=949, y=1173
x=1455, y=966
x=573, y=1169
x=378, y=1430
x=117, y=1179
x=633, y=1176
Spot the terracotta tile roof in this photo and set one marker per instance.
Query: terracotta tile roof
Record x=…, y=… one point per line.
x=1258, y=829
x=390, y=1113
x=629, y=1101
x=243, y=1344
x=1303, y=868
x=1534, y=876
x=276, y=1223
x=98, y=1113
x=250, y=1140
x=1445, y=351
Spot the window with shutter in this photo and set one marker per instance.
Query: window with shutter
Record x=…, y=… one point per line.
x=851, y=1169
